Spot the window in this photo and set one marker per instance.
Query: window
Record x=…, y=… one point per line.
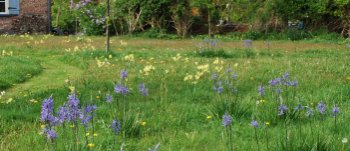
x=4, y=7
x=9, y=7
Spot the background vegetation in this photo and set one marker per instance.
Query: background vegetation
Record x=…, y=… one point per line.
x=262, y=19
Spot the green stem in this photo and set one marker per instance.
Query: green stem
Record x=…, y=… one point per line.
x=286, y=134
x=257, y=139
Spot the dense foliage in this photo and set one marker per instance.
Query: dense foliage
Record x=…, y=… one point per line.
x=202, y=16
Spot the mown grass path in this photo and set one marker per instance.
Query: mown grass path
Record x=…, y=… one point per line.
x=54, y=75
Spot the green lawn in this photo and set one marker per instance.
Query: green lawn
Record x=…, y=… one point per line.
x=182, y=111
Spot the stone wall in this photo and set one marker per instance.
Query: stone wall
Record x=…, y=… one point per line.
x=36, y=8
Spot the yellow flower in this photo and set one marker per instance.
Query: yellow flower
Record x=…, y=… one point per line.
x=262, y=101
x=97, y=97
x=43, y=126
x=188, y=77
x=66, y=81
x=9, y=101
x=203, y=67
x=71, y=126
x=216, y=61
x=143, y=123
x=72, y=88
x=129, y=57
x=95, y=134
x=177, y=57
x=267, y=123
x=209, y=117
x=91, y=145
x=87, y=134
x=33, y=101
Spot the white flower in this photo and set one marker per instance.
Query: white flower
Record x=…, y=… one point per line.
x=344, y=140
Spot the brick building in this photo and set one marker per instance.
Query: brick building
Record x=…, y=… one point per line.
x=24, y=16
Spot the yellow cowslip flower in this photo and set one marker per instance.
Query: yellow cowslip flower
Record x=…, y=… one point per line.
x=43, y=126
x=187, y=59
x=267, y=123
x=91, y=145
x=76, y=48
x=68, y=50
x=177, y=57
x=203, y=67
x=87, y=134
x=9, y=101
x=148, y=68
x=129, y=58
x=262, y=101
x=72, y=88
x=188, y=77
x=143, y=123
x=216, y=61
x=33, y=101
x=209, y=117
x=66, y=81
x=95, y=134
x=218, y=69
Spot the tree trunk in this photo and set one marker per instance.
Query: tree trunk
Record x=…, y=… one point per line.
x=107, y=25
x=209, y=23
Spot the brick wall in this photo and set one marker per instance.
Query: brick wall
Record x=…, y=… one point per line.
x=27, y=8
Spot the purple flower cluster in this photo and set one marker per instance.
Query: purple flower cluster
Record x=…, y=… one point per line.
x=73, y=107
x=109, y=98
x=47, y=111
x=284, y=80
x=261, y=90
x=50, y=134
x=120, y=89
x=87, y=115
x=80, y=4
x=299, y=107
x=226, y=120
x=48, y=118
x=282, y=110
x=335, y=111
x=143, y=90
x=218, y=87
x=322, y=108
x=116, y=126
x=309, y=112
x=123, y=74
x=255, y=124
x=69, y=112
x=63, y=114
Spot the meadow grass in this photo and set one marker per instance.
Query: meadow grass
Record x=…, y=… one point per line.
x=179, y=113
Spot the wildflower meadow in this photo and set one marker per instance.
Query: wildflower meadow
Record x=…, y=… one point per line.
x=67, y=93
